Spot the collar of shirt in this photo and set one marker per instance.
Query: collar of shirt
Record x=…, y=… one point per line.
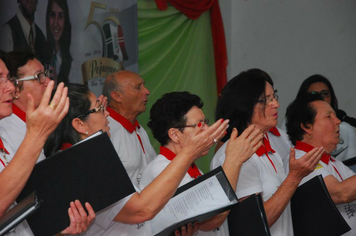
x=25, y=25
x=307, y=148
x=265, y=148
x=274, y=131
x=17, y=111
x=123, y=121
x=193, y=170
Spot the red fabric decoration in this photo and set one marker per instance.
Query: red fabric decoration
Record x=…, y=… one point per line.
x=193, y=170
x=274, y=131
x=65, y=146
x=2, y=147
x=193, y=9
x=265, y=149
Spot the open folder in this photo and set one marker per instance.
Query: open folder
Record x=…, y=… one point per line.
x=18, y=213
x=314, y=212
x=248, y=217
x=198, y=200
x=90, y=171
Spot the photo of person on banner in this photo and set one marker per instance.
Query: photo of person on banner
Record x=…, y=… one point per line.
x=59, y=39
x=21, y=32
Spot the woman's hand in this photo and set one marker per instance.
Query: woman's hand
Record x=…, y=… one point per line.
x=243, y=147
x=188, y=230
x=79, y=220
x=306, y=164
x=42, y=121
x=200, y=140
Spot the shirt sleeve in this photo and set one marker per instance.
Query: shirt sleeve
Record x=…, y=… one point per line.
x=106, y=216
x=249, y=181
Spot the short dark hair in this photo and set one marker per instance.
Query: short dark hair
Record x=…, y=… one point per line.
x=301, y=112
x=17, y=59
x=169, y=111
x=314, y=79
x=238, y=99
x=79, y=103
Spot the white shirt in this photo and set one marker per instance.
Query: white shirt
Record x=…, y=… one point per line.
x=346, y=148
x=347, y=210
x=133, y=155
x=13, y=131
x=257, y=175
x=22, y=229
x=103, y=224
x=153, y=169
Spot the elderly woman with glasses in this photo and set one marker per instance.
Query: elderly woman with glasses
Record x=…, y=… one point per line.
x=346, y=147
x=31, y=78
x=250, y=98
x=312, y=122
x=17, y=165
x=173, y=118
x=131, y=215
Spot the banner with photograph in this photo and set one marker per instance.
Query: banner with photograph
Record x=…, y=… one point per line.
x=78, y=41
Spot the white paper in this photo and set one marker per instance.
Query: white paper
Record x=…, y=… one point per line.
x=201, y=198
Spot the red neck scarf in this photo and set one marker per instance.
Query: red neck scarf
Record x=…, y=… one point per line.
x=2, y=147
x=265, y=149
x=65, y=146
x=123, y=121
x=126, y=124
x=18, y=112
x=193, y=170
x=274, y=131
x=326, y=158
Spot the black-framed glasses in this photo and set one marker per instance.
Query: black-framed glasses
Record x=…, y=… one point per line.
x=97, y=109
x=324, y=93
x=41, y=77
x=205, y=121
x=269, y=100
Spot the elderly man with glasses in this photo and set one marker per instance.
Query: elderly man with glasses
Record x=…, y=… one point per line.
x=29, y=77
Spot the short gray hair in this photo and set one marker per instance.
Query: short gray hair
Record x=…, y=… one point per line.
x=109, y=86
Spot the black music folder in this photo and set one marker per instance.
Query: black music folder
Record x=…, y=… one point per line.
x=314, y=212
x=198, y=200
x=18, y=213
x=90, y=171
x=248, y=217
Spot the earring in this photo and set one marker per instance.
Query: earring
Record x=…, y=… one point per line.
x=16, y=97
x=310, y=136
x=86, y=133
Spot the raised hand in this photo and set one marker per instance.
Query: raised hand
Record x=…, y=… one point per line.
x=42, y=121
x=243, y=147
x=200, y=140
x=306, y=164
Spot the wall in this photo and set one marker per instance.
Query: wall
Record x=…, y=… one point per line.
x=292, y=40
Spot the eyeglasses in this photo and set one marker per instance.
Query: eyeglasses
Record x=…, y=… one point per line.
x=4, y=80
x=324, y=93
x=206, y=121
x=101, y=107
x=41, y=77
x=269, y=100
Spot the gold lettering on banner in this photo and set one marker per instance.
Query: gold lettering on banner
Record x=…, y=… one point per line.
x=99, y=67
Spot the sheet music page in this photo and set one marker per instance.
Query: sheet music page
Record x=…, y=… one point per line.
x=201, y=198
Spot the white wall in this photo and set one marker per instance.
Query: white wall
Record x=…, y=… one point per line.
x=292, y=40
